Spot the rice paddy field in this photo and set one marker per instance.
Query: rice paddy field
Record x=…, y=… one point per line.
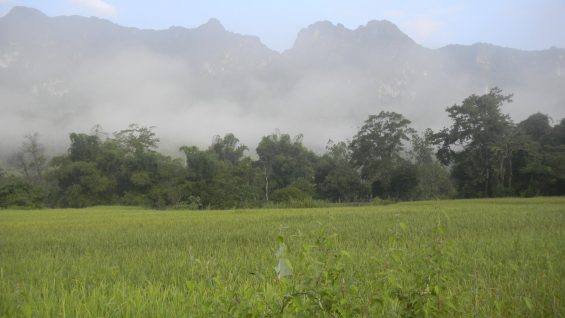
x=464, y=258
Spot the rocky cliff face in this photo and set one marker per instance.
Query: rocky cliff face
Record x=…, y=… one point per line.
x=62, y=74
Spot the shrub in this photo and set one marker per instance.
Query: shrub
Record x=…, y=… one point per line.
x=20, y=194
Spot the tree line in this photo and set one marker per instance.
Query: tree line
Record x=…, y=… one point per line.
x=483, y=153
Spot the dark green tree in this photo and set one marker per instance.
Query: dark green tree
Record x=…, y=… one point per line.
x=538, y=165
x=557, y=134
x=480, y=128
x=433, y=177
x=84, y=147
x=228, y=148
x=221, y=177
x=17, y=192
x=404, y=182
x=376, y=149
x=537, y=127
x=80, y=183
x=136, y=139
x=336, y=179
x=284, y=160
x=202, y=165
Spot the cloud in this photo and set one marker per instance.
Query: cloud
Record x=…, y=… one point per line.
x=427, y=26
x=98, y=6
x=424, y=26
x=396, y=14
x=448, y=10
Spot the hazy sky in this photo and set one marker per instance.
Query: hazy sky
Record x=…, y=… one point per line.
x=523, y=24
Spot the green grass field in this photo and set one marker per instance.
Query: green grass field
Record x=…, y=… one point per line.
x=471, y=258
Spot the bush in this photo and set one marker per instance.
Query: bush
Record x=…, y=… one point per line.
x=20, y=194
x=288, y=194
x=298, y=204
x=132, y=199
x=191, y=203
x=379, y=201
x=503, y=192
x=320, y=282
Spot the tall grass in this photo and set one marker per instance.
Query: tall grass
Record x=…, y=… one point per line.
x=501, y=257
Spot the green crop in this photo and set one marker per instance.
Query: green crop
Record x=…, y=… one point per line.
x=480, y=258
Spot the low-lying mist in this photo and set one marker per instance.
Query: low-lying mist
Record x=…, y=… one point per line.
x=191, y=84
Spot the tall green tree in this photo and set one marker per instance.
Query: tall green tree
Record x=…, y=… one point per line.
x=123, y=169
x=404, y=181
x=221, y=177
x=84, y=147
x=31, y=159
x=376, y=149
x=16, y=191
x=433, y=178
x=228, y=148
x=136, y=139
x=539, y=163
x=480, y=128
x=81, y=184
x=336, y=179
x=284, y=160
x=77, y=177
x=537, y=127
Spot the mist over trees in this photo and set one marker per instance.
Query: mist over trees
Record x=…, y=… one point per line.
x=71, y=72
x=481, y=154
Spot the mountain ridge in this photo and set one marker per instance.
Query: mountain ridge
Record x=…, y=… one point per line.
x=73, y=72
x=27, y=12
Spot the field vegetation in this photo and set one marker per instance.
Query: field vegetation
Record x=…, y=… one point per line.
x=465, y=258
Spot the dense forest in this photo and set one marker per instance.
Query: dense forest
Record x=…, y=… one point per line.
x=483, y=153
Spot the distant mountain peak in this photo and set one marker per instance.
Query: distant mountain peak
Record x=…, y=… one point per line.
x=323, y=27
x=381, y=27
x=20, y=12
x=61, y=70
x=384, y=31
x=378, y=33
x=320, y=32
x=382, y=24
x=213, y=25
x=328, y=25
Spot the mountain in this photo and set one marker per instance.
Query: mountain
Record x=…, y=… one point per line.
x=68, y=73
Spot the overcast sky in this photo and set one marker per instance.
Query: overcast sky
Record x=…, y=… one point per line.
x=523, y=24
